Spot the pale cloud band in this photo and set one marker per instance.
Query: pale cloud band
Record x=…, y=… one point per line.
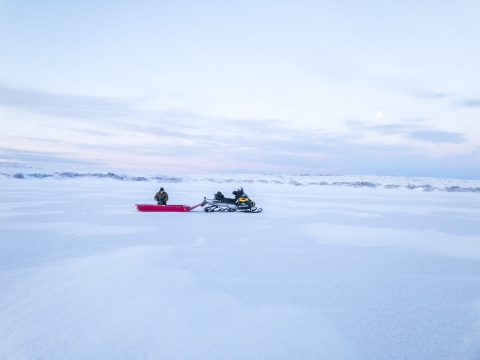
x=131, y=133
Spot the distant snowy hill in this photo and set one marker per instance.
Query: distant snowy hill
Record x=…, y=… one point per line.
x=56, y=171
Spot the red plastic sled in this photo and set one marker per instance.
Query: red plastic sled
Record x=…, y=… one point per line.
x=165, y=208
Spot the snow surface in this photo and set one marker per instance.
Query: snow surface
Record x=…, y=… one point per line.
x=324, y=272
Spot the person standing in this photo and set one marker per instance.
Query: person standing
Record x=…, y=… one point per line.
x=161, y=197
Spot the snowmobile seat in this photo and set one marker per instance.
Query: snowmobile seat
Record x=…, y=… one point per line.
x=219, y=196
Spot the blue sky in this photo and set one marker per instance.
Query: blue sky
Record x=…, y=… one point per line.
x=369, y=87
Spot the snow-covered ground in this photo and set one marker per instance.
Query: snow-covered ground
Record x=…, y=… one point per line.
x=350, y=269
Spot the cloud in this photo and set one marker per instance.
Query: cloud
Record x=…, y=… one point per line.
x=81, y=131
x=427, y=94
x=469, y=103
x=416, y=92
x=209, y=132
x=436, y=136
x=391, y=128
x=412, y=131
x=129, y=133
x=93, y=132
x=64, y=105
x=39, y=156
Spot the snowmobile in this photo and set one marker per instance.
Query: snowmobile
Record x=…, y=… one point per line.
x=241, y=202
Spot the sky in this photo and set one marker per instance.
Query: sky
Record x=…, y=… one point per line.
x=327, y=87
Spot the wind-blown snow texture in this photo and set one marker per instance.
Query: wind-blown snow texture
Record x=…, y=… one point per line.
x=364, y=268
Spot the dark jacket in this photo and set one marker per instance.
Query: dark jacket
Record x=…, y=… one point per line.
x=159, y=196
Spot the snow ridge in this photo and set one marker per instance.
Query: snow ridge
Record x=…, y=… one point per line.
x=425, y=184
